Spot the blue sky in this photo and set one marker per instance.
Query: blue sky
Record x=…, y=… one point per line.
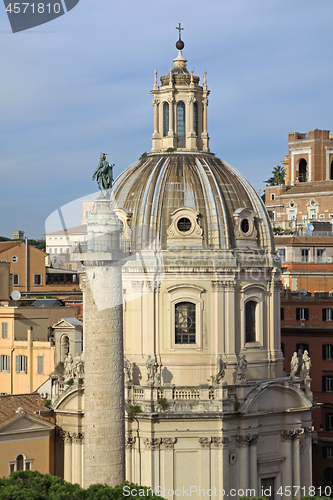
x=81, y=84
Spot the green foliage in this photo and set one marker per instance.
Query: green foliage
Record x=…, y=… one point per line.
x=163, y=404
x=280, y=231
x=170, y=150
x=60, y=368
x=143, y=156
x=3, y=238
x=236, y=405
x=81, y=381
x=70, y=382
x=134, y=409
x=31, y=485
x=278, y=175
x=47, y=403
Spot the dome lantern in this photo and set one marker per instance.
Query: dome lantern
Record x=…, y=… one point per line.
x=180, y=108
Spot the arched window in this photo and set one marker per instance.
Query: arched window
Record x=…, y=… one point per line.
x=328, y=477
x=331, y=172
x=181, y=124
x=195, y=118
x=21, y=463
x=302, y=171
x=250, y=321
x=64, y=347
x=165, y=119
x=185, y=323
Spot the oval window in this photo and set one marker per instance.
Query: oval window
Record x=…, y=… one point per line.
x=184, y=224
x=245, y=226
x=14, y=258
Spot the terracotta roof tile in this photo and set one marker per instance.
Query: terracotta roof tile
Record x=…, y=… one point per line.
x=6, y=245
x=31, y=404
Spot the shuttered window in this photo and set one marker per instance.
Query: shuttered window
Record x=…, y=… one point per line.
x=4, y=363
x=302, y=313
x=4, y=330
x=40, y=364
x=21, y=364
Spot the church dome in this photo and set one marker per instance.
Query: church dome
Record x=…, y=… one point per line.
x=168, y=187
x=180, y=193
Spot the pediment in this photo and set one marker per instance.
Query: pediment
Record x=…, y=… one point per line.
x=25, y=423
x=63, y=325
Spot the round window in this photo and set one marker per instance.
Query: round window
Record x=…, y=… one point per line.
x=184, y=224
x=14, y=258
x=292, y=203
x=245, y=226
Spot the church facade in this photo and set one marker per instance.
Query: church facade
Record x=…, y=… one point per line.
x=206, y=402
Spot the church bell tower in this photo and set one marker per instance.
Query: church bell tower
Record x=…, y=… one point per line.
x=180, y=108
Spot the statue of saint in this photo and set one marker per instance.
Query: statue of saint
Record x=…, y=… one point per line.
x=69, y=367
x=128, y=370
x=151, y=369
x=220, y=365
x=294, y=365
x=306, y=366
x=104, y=175
x=241, y=369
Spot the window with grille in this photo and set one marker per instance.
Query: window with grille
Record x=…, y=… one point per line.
x=195, y=118
x=185, y=323
x=250, y=321
x=4, y=330
x=181, y=124
x=165, y=119
x=4, y=363
x=21, y=364
x=40, y=364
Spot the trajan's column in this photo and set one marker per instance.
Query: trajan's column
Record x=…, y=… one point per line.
x=103, y=337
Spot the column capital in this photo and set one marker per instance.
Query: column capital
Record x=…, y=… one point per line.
x=205, y=442
x=220, y=442
x=77, y=437
x=155, y=102
x=152, y=443
x=218, y=286
x=168, y=443
x=308, y=431
x=244, y=440
x=67, y=437
x=170, y=100
x=130, y=442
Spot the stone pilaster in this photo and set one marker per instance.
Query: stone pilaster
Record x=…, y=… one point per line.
x=243, y=461
x=67, y=456
x=205, y=465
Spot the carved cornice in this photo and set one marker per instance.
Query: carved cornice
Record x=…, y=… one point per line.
x=152, y=443
x=223, y=285
x=168, y=443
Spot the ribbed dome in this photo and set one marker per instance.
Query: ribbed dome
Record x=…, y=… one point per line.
x=154, y=187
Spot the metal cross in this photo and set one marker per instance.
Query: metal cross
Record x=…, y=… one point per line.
x=180, y=29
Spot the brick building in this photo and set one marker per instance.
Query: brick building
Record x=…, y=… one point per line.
x=307, y=324
x=307, y=193
x=307, y=262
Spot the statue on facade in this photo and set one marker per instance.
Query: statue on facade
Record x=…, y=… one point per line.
x=78, y=367
x=241, y=369
x=128, y=370
x=157, y=380
x=69, y=366
x=220, y=365
x=151, y=369
x=104, y=175
x=294, y=366
x=306, y=366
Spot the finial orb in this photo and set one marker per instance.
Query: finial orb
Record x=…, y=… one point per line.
x=180, y=44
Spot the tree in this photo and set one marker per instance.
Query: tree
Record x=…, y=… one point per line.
x=278, y=175
x=32, y=485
